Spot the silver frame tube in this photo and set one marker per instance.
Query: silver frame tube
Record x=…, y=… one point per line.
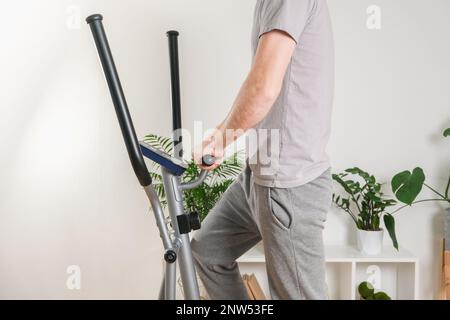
x=159, y=217
x=174, y=198
x=170, y=281
x=179, y=243
x=196, y=183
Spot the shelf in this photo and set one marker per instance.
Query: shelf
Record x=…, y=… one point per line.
x=350, y=254
x=340, y=254
x=395, y=272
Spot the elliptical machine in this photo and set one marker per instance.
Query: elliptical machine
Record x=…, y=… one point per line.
x=174, y=230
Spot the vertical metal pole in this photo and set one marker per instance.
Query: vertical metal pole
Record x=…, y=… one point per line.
x=170, y=281
x=175, y=93
x=168, y=288
x=172, y=183
x=162, y=289
x=185, y=261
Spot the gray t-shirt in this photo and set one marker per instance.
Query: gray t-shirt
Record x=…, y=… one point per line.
x=294, y=153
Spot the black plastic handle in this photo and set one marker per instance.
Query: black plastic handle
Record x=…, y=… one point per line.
x=175, y=92
x=118, y=98
x=208, y=160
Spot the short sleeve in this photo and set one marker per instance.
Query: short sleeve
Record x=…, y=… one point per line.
x=290, y=16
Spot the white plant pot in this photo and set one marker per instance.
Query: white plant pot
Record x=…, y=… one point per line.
x=370, y=242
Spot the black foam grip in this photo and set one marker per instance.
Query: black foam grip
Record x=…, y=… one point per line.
x=118, y=98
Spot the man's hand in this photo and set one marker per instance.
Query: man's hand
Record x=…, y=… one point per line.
x=213, y=146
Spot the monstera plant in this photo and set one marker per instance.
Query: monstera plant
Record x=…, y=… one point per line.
x=203, y=198
x=407, y=185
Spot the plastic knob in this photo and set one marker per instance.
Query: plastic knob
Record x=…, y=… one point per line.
x=208, y=160
x=194, y=221
x=170, y=256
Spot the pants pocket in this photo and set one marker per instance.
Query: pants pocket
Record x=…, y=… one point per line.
x=279, y=204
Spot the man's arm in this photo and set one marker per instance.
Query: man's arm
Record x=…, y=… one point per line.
x=256, y=96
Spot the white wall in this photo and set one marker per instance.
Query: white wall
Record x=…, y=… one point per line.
x=68, y=196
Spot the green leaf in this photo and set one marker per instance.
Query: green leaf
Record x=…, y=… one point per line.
x=407, y=186
x=376, y=222
x=343, y=183
x=360, y=224
x=381, y=296
x=389, y=202
x=447, y=132
x=366, y=289
x=345, y=203
x=359, y=172
x=162, y=143
x=371, y=196
x=377, y=188
x=389, y=222
x=336, y=199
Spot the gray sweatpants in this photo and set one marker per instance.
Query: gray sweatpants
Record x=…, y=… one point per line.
x=290, y=224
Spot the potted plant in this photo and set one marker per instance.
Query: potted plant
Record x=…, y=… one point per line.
x=366, y=205
x=203, y=198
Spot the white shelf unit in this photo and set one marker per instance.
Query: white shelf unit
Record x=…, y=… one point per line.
x=395, y=272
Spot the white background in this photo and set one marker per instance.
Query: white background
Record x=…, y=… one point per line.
x=67, y=192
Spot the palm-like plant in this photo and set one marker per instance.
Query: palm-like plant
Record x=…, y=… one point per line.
x=203, y=198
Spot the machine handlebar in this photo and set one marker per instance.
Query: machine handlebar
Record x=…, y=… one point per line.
x=118, y=98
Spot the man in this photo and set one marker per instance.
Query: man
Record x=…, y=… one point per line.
x=284, y=201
